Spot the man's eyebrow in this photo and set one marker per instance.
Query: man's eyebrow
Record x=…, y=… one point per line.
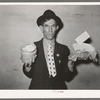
x=45, y=24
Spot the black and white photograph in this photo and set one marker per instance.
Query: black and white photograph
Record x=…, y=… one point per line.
x=49, y=46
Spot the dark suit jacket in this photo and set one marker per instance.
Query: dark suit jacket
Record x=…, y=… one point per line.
x=39, y=72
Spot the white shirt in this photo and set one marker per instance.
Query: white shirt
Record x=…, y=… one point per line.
x=45, y=46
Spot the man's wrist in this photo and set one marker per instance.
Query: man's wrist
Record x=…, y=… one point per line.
x=71, y=65
x=27, y=67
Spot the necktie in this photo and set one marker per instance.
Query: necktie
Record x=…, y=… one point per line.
x=51, y=63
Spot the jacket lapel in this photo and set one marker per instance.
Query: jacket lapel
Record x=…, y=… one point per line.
x=57, y=56
x=43, y=60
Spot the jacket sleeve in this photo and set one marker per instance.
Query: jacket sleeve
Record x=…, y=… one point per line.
x=67, y=75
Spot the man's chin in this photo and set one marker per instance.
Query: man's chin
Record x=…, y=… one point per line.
x=50, y=38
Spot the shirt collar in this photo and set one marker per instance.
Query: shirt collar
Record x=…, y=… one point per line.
x=46, y=42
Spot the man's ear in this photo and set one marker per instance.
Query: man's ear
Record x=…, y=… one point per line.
x=57, y=27
x=41, y=28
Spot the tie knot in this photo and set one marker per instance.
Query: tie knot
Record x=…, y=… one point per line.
x=50, y=46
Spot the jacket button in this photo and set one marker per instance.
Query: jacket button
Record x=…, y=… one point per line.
x=59, y=61
x=58, y=55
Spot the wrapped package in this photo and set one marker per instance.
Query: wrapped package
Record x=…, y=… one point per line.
x=83, y=51
x=28, y=51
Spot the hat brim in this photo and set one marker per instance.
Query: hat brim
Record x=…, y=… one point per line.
x=43, y=18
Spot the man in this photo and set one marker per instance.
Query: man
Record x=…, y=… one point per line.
x=51, y=68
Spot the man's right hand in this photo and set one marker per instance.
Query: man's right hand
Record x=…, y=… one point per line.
x=28, y=62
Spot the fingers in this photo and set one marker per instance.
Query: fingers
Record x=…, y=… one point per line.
x=34, y=57
x=93, y=58
x=72, y=57
x=71, y=65
x=80, y=55
x=26, y=64
x=26, y=61
x=83, y=55
x=27, y=67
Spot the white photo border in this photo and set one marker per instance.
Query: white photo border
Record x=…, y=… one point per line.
x=30, y=94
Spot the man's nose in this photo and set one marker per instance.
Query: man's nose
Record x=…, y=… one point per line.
x=50, y=29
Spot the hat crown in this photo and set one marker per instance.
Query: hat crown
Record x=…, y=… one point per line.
x=49, y=13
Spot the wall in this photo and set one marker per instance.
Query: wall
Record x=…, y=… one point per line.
x=18, y=27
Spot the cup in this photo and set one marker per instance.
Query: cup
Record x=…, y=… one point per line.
x=28, y=53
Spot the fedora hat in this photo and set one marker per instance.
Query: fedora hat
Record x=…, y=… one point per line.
x=48, y=14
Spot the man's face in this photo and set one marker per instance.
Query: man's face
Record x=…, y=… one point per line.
x=49, y=29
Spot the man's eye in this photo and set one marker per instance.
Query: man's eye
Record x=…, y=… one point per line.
x=45, y=25
x=54, y=25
